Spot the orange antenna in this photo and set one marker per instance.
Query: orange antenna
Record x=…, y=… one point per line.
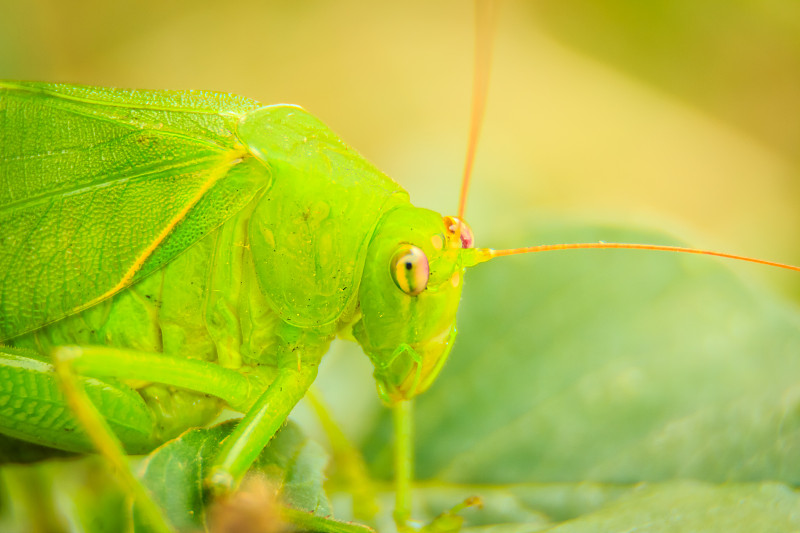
x=485, y=16
x=485, y=254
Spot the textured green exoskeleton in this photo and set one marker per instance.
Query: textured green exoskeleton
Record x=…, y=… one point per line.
x=190, y=250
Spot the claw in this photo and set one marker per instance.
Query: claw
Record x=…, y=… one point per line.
x=220, y=483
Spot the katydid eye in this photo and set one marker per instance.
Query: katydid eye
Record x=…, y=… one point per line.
x=410, y=270
x=452, y=223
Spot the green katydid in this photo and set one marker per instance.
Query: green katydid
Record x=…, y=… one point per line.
x=225, y=205
x=126, y=212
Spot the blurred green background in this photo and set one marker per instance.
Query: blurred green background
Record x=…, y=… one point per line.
x=681, y=114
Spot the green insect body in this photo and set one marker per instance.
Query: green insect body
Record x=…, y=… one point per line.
x=195, y=250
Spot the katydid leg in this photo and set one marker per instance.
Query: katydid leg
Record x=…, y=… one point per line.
x=33, y=409
x=239, y=390
x=107, y=444
x=402, y=415
x=305, y=521
x=348, y=460
x=448, y=521
x=241, y=448
x=298, y=355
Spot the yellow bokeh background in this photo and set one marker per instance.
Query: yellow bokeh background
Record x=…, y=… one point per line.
x=680, y=114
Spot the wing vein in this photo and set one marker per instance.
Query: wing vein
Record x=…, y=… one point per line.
x=121, y=105
x=104, y=181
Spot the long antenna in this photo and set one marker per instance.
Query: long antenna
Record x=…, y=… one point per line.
x=485, y=16
x=485, y=19
x=485, y=254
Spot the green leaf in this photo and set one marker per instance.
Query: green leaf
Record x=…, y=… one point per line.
x=692, y=506
x=174, y=473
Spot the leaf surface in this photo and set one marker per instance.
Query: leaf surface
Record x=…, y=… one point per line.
x=174, y=473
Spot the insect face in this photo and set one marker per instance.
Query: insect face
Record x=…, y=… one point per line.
x=408, y=298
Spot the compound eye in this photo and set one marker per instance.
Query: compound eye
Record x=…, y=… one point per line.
x=410, y=270
x=452, y=224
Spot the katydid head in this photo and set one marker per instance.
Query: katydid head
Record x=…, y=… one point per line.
x=408, y=298
x=411, y=284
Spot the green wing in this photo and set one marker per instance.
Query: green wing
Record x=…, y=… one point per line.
x=99, y=187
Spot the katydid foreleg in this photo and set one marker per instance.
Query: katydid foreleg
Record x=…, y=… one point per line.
x=240, y=449
x=265, y=411
x=298, y=359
